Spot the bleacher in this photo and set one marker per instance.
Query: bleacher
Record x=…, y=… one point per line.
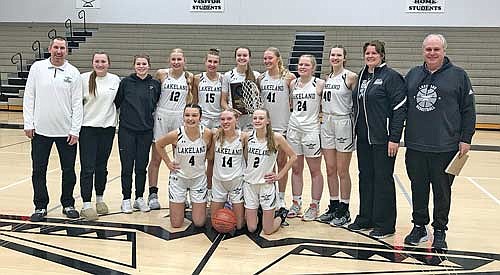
x=123, y=41
x=474, y=49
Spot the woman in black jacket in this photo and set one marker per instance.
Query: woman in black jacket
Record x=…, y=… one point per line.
x=136, y=98
x=379, y=104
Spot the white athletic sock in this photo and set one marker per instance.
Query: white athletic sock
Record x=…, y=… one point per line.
x=346, y=201
x=281, y=195
x=87, y=205
x=336, y=198
x=316, y=202
x=99, y=199
x=297, y=198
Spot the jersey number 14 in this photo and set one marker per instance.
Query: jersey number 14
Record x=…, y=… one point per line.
x=227, y=162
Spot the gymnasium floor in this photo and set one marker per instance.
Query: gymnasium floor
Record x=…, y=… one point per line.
x=145, y=243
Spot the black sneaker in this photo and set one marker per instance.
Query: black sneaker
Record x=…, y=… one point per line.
x=417, y=235
x=439, y=239
x=71, y=212
x=357, y=226
x=328, y=215
x=379, y=233
x=281, y=213
x=341, y=219
x=38, y=215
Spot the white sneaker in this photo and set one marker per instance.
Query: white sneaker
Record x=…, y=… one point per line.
x=127, y=207
x=140, y=204
x=311, y=213
x=295, y=209
x=153, y=202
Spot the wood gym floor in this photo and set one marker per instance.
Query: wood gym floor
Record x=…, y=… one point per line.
x=145, y=243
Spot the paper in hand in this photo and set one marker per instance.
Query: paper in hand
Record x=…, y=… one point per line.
x=456, y=164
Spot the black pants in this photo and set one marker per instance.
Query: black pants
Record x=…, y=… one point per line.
x=40, y=152
x=377, y=193
x=134, y=153
x=424, y=169
x=95, y=147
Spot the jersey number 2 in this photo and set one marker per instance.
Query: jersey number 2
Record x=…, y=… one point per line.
x=256, y=162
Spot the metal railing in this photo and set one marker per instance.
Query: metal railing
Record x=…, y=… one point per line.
x=69, y=26
x=36, y=47
x=17, y=61
x=82, y=15
x=52, y=33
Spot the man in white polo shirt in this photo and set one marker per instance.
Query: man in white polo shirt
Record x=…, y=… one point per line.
x=52, y=111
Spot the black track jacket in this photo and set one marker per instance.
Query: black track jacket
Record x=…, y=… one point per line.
x=385, y=104
x=136, y=98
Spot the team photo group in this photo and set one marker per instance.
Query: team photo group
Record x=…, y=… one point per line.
x=235, y=136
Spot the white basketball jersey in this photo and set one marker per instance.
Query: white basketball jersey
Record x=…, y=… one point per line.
x=190, y=154
x=260, y=160
x=228, y=160
x=173, y=93
x=306, y=104
x=276, y=97
x=232, y=77
x=337, y=98
x=209, y=96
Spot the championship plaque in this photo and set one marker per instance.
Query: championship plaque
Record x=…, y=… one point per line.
x=237, y=98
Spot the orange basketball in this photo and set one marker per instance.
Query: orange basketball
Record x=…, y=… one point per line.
x=224, y=220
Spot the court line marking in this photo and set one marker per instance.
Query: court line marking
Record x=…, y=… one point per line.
x=77, y=162
x=16, y=153
x=457, y=177
x=483, y=190
x=401, y=186
x=483, y=178
x=13, y=144
x=25, y=179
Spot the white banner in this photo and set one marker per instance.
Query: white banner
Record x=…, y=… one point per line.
x=425, y=6
x=206, y=5
x=88, y=4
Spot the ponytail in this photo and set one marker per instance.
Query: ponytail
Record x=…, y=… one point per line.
x=189, y=80
x=92, y=83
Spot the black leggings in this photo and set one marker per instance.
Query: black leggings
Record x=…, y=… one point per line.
x=134, y=153
x=95, y=145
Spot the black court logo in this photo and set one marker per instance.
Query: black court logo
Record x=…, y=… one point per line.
x=16, y=234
